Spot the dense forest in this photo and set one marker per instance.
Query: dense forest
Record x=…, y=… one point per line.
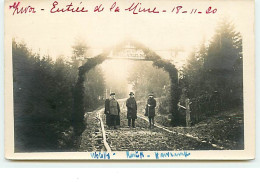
x=213, y=76
x=43, y=97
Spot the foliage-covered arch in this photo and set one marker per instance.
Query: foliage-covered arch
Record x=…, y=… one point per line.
x=78, y=112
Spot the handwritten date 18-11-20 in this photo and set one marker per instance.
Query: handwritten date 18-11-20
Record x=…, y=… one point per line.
x=137, y=8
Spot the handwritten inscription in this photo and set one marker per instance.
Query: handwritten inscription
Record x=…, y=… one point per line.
x=136, y=8
x=99, y=8
x=17, y=9
x=133, y=8
x=100, y=155
x=168, y=155
x=68, y=8
x=210, y=10
x=134, y=155
x=141, y=155
x=115, y=7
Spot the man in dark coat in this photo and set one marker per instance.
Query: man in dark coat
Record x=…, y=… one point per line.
x=114, y=110
x=150, y=109
x=108, y=120
x=131, y=110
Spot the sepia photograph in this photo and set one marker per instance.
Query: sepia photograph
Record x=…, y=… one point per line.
x=129, y=80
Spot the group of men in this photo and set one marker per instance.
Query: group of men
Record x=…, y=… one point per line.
x=112, y=110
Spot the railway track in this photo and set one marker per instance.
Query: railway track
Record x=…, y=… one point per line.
x=169, y=131
x=178, y=133
x=107, y=147
x=132, y=139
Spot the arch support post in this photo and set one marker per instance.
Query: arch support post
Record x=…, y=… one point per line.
x=174, y=98
x=78, y=105
x=174, y=92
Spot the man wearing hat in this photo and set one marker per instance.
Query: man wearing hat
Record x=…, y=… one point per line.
x=114, y=109
x=150, y=109
x=131, y=110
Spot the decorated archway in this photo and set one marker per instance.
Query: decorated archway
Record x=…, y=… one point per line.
x=144, y=54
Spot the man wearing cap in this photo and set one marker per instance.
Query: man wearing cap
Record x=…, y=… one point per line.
x=114, y=109
x=150, y=109
x=131, y=110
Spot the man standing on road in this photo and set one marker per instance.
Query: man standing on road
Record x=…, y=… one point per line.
x=150, y=109
x=131, y=110
x=114, y=110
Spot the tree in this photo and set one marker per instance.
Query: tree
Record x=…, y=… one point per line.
x=194, y=73
x=42, y=100
x=79, y=53
x=93, y=82
x=213, y=76
x=223, y=65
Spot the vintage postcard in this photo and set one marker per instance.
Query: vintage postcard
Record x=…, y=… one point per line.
x=129, y=80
